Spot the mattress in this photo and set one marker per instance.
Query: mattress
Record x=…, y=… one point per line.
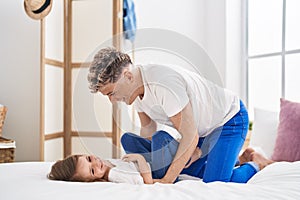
x=27, y=180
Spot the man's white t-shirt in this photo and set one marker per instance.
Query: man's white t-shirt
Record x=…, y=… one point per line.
x=125, y=172
x=167, y=90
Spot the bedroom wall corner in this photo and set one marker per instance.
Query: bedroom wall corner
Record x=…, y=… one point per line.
x=20, y=78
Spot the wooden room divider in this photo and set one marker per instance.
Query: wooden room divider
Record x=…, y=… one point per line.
x=67, y=66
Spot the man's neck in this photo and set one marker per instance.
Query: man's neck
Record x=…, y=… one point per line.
x=139, y=82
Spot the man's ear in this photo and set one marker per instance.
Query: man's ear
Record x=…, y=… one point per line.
x=128, y=75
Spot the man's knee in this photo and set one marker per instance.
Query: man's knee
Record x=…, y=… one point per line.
x=127, y=138
x=161, y=135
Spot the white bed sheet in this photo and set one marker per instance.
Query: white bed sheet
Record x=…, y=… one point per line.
x=27, y=180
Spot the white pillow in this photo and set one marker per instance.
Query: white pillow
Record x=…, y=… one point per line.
x=277, y=173
x=264, y=131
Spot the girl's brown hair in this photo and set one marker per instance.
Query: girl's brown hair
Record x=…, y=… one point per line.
x=64, y=170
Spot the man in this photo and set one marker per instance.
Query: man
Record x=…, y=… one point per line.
x=206, y=116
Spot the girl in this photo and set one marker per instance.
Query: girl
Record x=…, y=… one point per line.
x=134, y=168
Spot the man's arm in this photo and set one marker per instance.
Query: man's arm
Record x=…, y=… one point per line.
x=143, y=166
x=148, y=126
x=184, y=123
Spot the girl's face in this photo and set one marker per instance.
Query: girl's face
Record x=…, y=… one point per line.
x=90, y=168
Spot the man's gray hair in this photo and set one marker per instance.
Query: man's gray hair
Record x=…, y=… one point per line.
x=106, y=67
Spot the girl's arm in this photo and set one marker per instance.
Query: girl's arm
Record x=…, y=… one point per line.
x=143, y=166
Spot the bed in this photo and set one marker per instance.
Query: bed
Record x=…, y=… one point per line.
x=27, y=180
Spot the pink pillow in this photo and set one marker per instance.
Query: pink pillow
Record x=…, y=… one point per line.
x=287, y=145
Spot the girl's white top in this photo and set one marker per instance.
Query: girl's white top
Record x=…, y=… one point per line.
x=125, y=172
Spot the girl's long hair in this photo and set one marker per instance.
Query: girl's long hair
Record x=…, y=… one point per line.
x=64, y=170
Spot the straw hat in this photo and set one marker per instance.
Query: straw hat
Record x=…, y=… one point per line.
x=37, y=9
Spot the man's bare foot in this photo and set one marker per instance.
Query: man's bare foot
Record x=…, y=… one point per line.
x=260, y=160
x=246, y=155
x=195, y=156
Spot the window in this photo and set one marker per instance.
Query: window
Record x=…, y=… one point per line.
x=272, y=53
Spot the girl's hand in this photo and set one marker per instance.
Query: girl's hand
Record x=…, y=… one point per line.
x=132, y=157
x=144, y=168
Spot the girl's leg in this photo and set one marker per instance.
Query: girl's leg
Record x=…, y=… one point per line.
x=133, y=143
x=164, y=148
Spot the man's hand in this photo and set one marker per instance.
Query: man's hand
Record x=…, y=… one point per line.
x=164, y=181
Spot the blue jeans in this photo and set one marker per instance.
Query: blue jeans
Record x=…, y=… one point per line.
x=158, y=152
x=220, y=151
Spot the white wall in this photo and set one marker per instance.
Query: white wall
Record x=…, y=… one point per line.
x=185, y=17
x=235, y=71
x=214, y=30
x=20, y=78
x=215, y=25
